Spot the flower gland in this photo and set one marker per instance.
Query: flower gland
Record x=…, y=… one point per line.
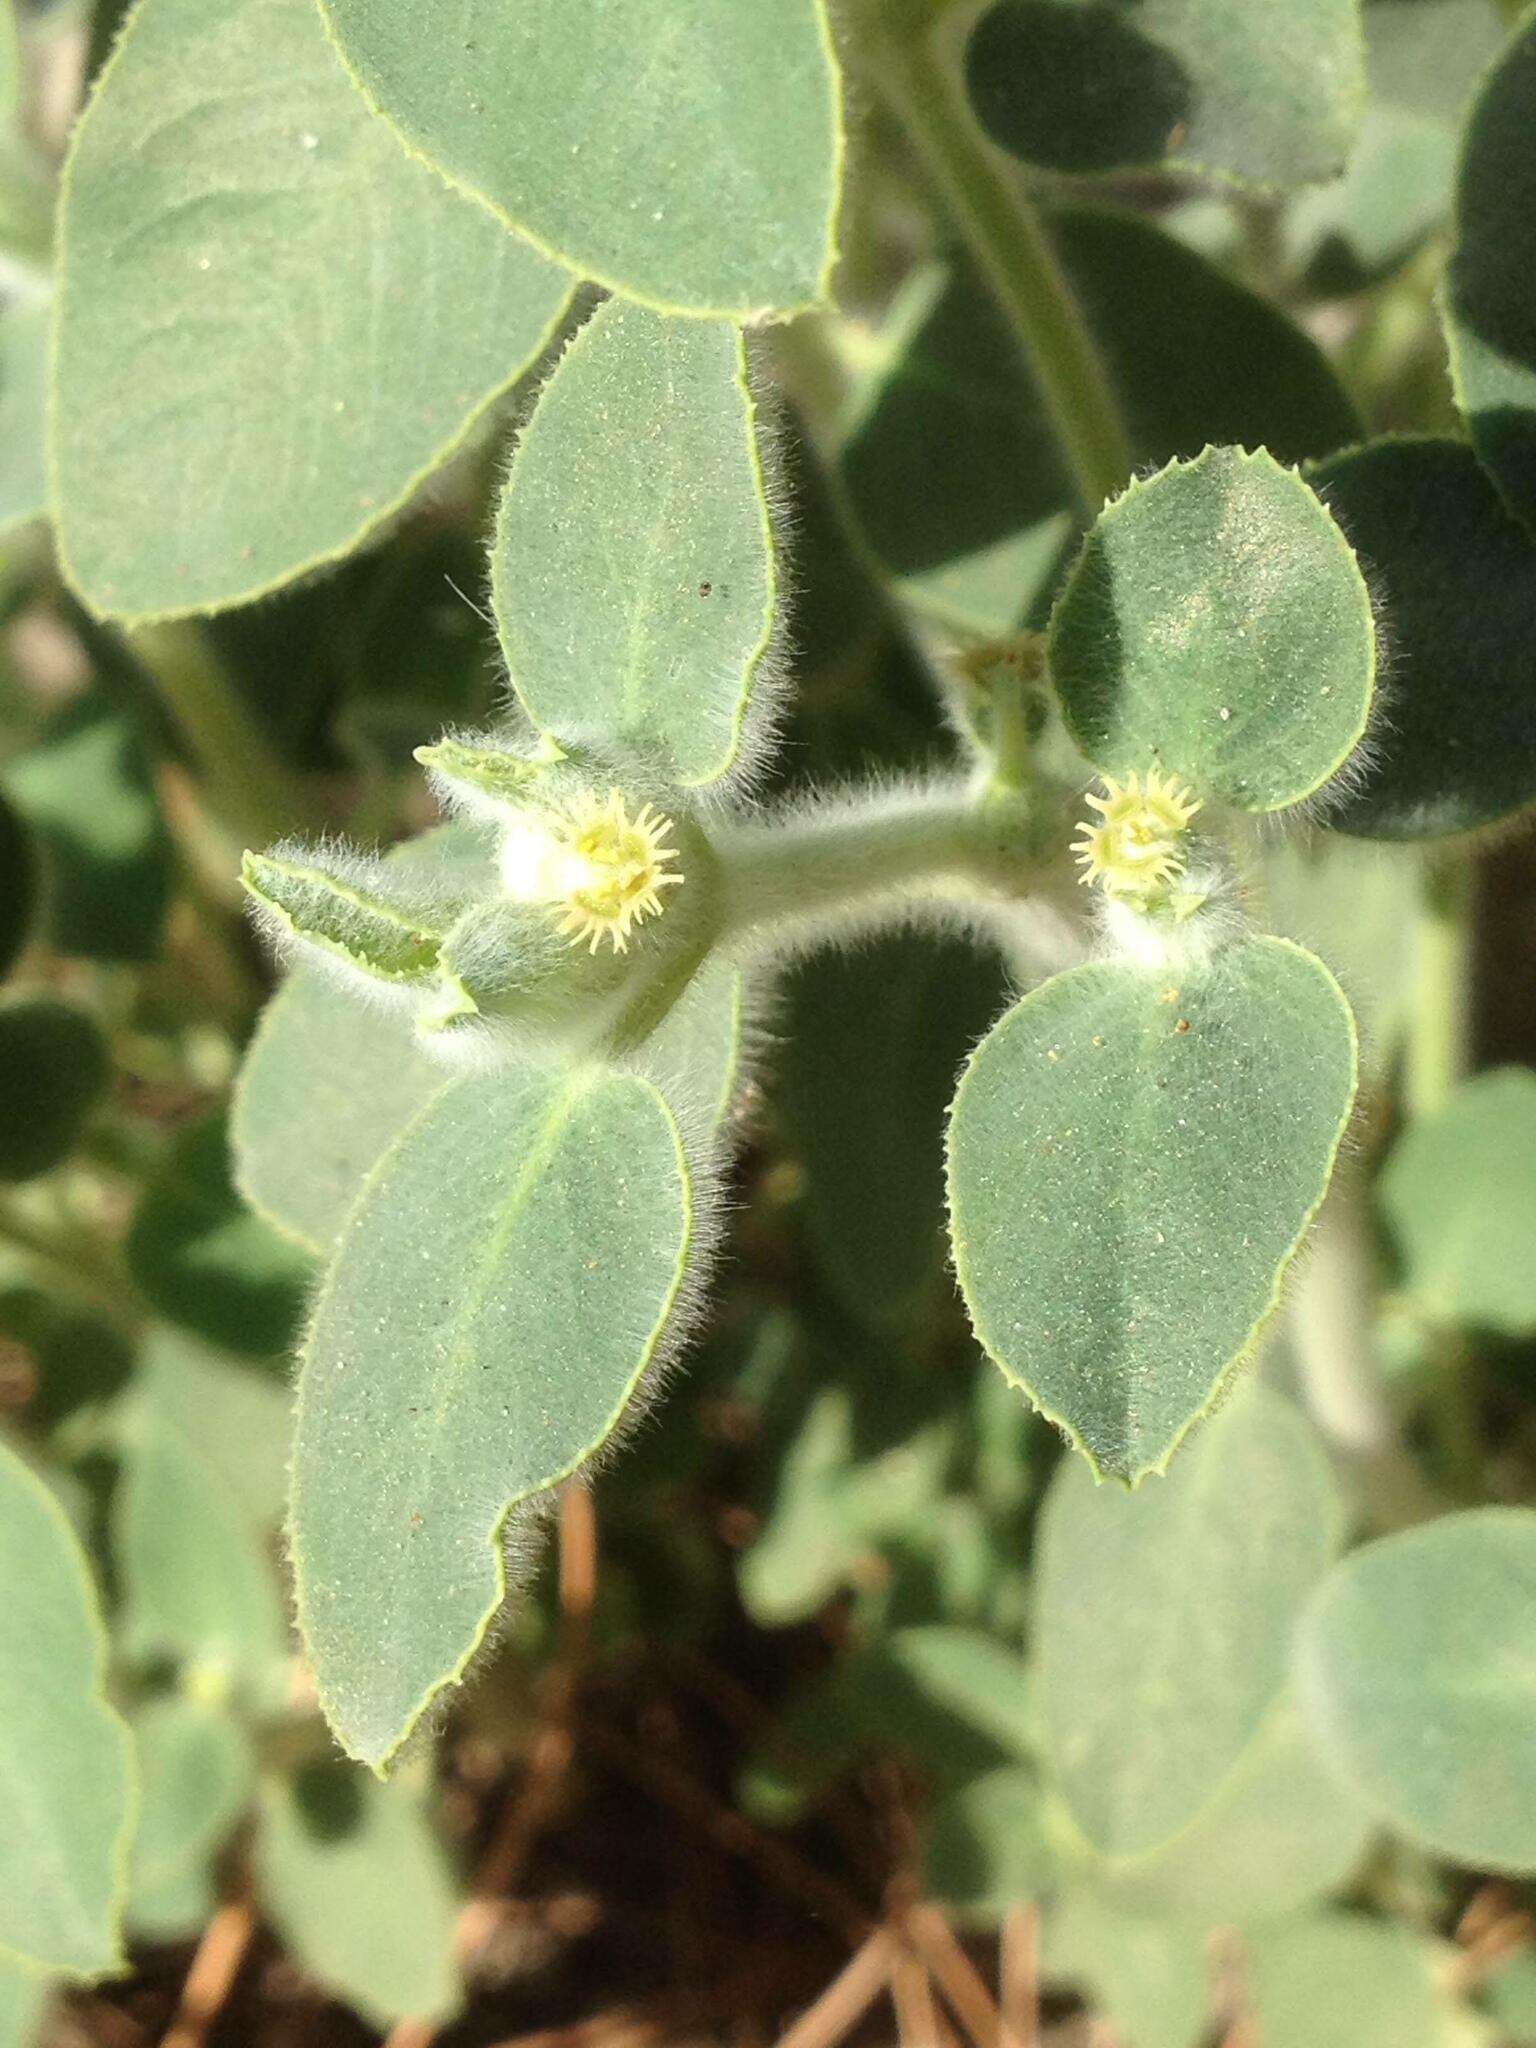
x=591, y=860
x=1137, y=847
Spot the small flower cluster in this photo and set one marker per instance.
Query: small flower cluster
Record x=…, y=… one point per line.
x=1137, y=850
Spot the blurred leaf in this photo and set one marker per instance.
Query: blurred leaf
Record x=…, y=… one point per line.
x=1277, y=1836
x=77, y=1359
x=1418, y=1673
x=84, y=790
x=1453, y=577
x=951, y=464
x=987, y=1848
x=66, y=1794
x=357, y=1886
x=24, y=1995
x=1354, y=905
x=1459, y=1197
x=686, y=155
x=23, y=370
x=272, y=328
x=876, y=1038
x=1134, y=1156
x=1164, y=1617
x=1208, y=86
x=552, y=1212
x=1489, y=315
x=633, y=566
x=1510, y=1993
x=235, y=1418
x=1342, y=1981
x=54, y=1070
x=205, y=1261
x=18, y=886
x=198, y=1585
x=1152, y=1978
x=1216, y=624
x=197, y=1774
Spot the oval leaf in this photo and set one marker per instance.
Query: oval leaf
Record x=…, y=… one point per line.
x=1134, y=1156
x=1164, y=1617
x=1196, y=85
x=1454, y=578
x=688, y=155
x=1489, y=315
x=1416, y=1667
x=272, y=324
x=497, y=1295
x=54, y=1068
x=633, y=567
x=66, y=1792
x=1216, y=623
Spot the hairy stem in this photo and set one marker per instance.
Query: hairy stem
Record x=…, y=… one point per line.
x=1005, y=237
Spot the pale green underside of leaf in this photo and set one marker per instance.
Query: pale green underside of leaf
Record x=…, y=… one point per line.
x=271, y=325
x=367, y=1908
x=498, y=1291
x=1216, y=624
x=1209, y=86
x=1164, y=1617
x=1418, y=1667
x=66, y=1765
x=686, y=154
x=197, y=1772
x=632, y=572
x=1134, y=1156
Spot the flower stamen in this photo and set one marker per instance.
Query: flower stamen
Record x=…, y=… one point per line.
x=1136, y=850
x=603, y=868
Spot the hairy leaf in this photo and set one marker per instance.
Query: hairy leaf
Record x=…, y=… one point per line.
x=686, y=154
x=1134, y=1154
x=633, y=569
x=1217, y=624
x=272, y=324
x=344, y=912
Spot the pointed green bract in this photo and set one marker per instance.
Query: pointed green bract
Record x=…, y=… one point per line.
x=1164, y=1617
x=1134, y=1154
x=497, y=1294
x=1217, y=625
x=1418, y=1671
x=66, y=1780
x=1489, y=317
x=683, y=153
x=342, y=916
x=633, y=567
x=272, y=324
x=1213, y=86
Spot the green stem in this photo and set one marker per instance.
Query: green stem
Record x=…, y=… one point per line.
x=1437, y=1052
x=1005, y=237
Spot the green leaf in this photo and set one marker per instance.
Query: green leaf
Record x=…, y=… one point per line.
x=18, y=886
x=1454, y=578
x=1153, y=1978
x=24, y=1998
x=340, y=909
x=633, y=572
x=66, y=1788
x=205, y=1261
x=357, y=1886
x=686, y=155
x=272, y=324
x=1134, y=1156
x=1417, y=1669
x=84, y=790
x=1277, y=1836
x=1354, y=903
x=23, y=374
x=234, y=1416
x=875, y=1039
x=1490, y=321
x=54, y=1070
x=1459, y=1198
x=951, y=465
x=1343, y=1981
x=197, y=1774
x=987, y=1847
x=498, y=1293
x=1164, y=1617
x=1510, y=1993
x=197, y=1583
x=1216, y=623
x=1207, y=86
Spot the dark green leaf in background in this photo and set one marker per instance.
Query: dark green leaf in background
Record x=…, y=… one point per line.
x=1216, y=86
x=54, y=1070
x=272, y=324
x=686, y=154
x=18, y=885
